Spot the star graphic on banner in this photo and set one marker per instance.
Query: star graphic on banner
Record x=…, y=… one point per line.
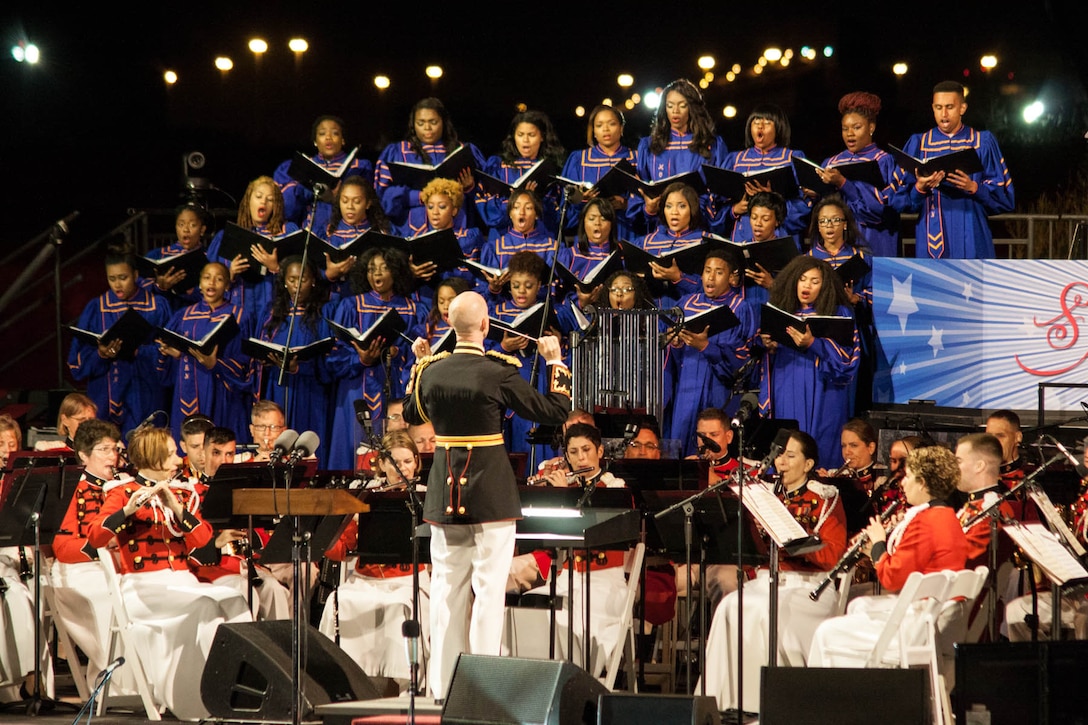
x=902, y=368
x=903, y=304
x=967, y=291
x=966, y=400
x=1028, y=329
x=935, y=340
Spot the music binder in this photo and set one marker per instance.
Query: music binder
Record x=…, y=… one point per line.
x=526, y=324
x=479, y=269
x=774, y=321
x=1057, y=523
x=867, y=172
x=965, y=160
x=852, y=270
x=223, y=332
x=596, y=275
x=369, y=239
x=190, y=262
x=446, y=343
x=771, y=254
x=777, y=520
x=689, y=257
x=620, y=180
x=716, y=319
x=654, y=189
x=416, y=176
x=262, y=349
x=730, y=184
x=308, y=172
x=238, y=241
x=1047, y=552
x=389, y=326
x=131, y=328
x=439, y=246
x=542, y=172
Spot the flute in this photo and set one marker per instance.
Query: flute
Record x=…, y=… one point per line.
x=851, y=556
x=572, y=476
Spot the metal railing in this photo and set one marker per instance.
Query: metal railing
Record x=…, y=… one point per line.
x=1023, y=236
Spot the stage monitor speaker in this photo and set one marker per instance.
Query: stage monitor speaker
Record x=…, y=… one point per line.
x=248, y=675
x=843, y=696
x=516, y=691
x=628, y=709
x=1019, y=682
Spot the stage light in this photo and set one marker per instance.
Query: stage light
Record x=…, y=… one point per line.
x=636, y=97
x=988, y=62
x=828, y=51
x=224, y=63
x=625, y=80
x=651, y=99
x=606, y=102
x=434, y=72
x=1033, y=112
x=25, y=52
x=708, y=77
x=258, y=46
x=706, y=62
x=381, y=82
x=170, y=77
x=298, y=45
x=629, y=104
x=729, y=111
x=773, y=55
x=730, y=76
x=703, y=84
x=900, y=69
x=579, y=111
x=736, y=68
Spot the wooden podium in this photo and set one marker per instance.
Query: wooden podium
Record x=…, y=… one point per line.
x=296, y=502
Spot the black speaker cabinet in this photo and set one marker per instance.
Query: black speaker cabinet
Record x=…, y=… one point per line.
x=628, y=709
x=843, y=696
x=248, y=675
x=1022, y=682
x=516, y=691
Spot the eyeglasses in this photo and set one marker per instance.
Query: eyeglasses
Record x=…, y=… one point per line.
x=269, y=428
x=106, y=449
x=378, y=270
x=640, y=446
x=762, y=122
x=830, y=222
x=395, y=417
x=621, y=290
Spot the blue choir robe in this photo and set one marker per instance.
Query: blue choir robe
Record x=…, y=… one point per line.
x=175, y=297
x=699, y=379
x=492, y=208
x=813, y=387
x=304, y=396
x=952, y=223
x=298, y=199
x=663, y=240
x=125, y=391
x=752, y=159
x=589, y=165
x=354, y=381
x=398, y=201
x=340, y=237
x=471, y=241
x=224, y=393
x=677, y=158
x=498, y=251
x=516, y=429
x=876, y=211
x=254, y=297
x=582, y=262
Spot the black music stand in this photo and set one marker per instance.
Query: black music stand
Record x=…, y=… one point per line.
x=673, y=474
x=35, y=506
x=385, y=532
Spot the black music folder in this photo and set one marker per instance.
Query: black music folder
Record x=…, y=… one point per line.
x=527, y=323
x=596, y=275
x=771, y=254
x=689, y=257
x=774, y=321
x=189, y=262
x=261, y=349
x=131, y=328
x=714, y=320
x=730, y=184
x=369, y=239
x=416, y=176
x=654, y=189
x=308, y=172
x=224, y=331
x=542, y=172
x=867, y=172
x=620, y=180
x=965, y=160
x=238, y=241
x=852, y=270
x=389, y=326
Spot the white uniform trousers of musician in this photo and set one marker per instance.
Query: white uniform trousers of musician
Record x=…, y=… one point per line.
x=368, y=612
x=1074, y=616
x=607, y=596
x=271, y=599
x=798, y=618
x=17, y=622
x=83, y=605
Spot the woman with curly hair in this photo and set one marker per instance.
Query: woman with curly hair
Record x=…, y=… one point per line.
x=531, y=139
x=442, y=201
x=303, y=394
x=809, y=381
x=382, y=281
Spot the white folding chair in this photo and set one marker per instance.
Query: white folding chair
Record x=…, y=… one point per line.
x=627, y=629
x=845, y=581
x=121, y=641
x=49, y=614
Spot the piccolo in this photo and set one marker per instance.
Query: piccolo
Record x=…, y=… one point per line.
x=572, y=476
x=851, y=556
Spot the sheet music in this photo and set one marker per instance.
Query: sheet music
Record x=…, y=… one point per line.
x=1047, y=552
x=772, y=514
x=1057, y=523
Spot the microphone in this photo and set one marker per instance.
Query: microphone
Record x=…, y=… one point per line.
x=283, y=444
x=111, y=667
x=148, y=421
x=708, y=443
x=305, y=446
x=60, y=228
x=1081, y=470
x=748, y=404
x=776, y=448
x=409, y=629
x=362, y=414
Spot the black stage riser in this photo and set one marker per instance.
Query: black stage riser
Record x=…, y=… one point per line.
x=843, y=696
x=626, y=709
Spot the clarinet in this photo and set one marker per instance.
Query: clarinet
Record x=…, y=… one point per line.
x=851, y=556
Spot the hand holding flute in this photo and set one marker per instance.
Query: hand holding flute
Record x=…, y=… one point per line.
x=162, y=491
x=862, y=546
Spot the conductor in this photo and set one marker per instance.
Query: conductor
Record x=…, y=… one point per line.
x=472, y=498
